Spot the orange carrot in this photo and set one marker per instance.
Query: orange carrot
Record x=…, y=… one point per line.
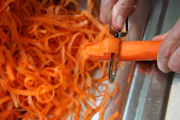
x=129, y=50
x=117, y=99
x=42, y=75
x=4, y=99
x=10, y=72
x=114, y=116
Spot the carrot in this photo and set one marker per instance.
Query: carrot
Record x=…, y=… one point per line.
x=117, y=99
x=4, y=99
x=6, y=3
x=42, y=73
x=114, y=116
x=114, y=92
x=129, y=50
x=10, y=72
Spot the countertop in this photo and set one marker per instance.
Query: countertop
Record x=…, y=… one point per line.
x=173, y=109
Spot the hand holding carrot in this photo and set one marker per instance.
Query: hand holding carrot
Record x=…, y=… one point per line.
x=169, y=51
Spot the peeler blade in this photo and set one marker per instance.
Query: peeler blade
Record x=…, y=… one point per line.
x=117, y=34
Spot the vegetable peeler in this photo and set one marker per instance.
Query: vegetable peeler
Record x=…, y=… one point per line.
x=114, y=49
x=117, y=34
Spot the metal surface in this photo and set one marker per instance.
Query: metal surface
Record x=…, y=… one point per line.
x=171, y=17
x=137, y=25
x=173, y=108
x=142, y=87
x=149, y=91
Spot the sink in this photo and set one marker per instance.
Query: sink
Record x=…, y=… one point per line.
x=144, y=90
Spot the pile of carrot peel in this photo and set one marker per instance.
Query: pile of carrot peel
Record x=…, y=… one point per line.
x=42, y=75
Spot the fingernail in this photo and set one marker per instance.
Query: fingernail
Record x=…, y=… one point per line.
x=163, y=68
x=119, y=22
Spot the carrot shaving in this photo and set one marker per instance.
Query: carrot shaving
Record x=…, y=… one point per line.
x=114, y=116
x=90, y=5
x=42, y=73
x=92, y=19
x=10, y=72
x=117, y=99
x=20, y=92
x=5, y=4
x=114, y=92
x=14, y=100
x=4, y=99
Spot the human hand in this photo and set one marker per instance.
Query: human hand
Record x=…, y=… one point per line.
x=169, y=51
x=116, y=11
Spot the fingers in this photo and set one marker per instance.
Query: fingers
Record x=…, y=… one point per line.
x=169, y=51
x=120, y=11
x=174, y=61
x=159, y=37
x=106, y=10
x=116, y=11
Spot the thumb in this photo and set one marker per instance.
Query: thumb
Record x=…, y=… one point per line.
x=121, y=10
x=160, y=37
